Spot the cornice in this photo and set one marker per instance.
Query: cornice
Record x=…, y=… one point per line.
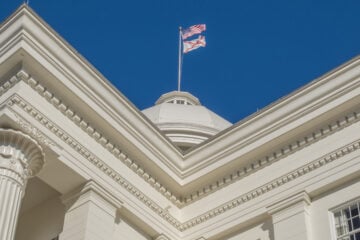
x=163, y=213
x=98, y=136
x=165, y=156
x=87, y=154
x=274, y=184
x=317, y=96
x=280, y=153
x=79, y=73
x=9, y=83
x=133, y=163
x=188, y=198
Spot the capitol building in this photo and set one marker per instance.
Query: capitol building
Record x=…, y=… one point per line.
x=79, y=161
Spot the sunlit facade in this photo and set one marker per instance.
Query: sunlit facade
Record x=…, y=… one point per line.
x=78, y=161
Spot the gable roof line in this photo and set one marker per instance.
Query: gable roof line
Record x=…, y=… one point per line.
x=201, y=157
x=321, y=89
x=109, y=89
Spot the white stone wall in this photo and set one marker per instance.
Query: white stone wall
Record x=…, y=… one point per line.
x=124, y=230
x=260, y=231
x=321, y=220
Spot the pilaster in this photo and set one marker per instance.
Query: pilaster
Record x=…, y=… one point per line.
x=21, y=157
x=91, y=213
x=162, y=237
x=291, y=217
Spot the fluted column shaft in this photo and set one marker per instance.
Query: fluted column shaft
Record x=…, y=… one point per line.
x=20, y=158
x=11, y=191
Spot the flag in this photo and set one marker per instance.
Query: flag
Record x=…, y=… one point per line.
x=194, y=44
x=196, y=29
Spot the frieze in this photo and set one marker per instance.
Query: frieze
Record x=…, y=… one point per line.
x=33, y=131
x=273, y=157
x=90, y=157
x=163, y=212
x=100, y=138
x=181, y=201
x=272, y=185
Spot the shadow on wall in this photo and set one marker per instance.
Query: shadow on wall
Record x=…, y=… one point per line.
x=268, y=227
x=260, y=229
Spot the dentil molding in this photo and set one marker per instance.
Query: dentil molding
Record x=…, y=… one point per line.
x=181, y=201
x=182, y=226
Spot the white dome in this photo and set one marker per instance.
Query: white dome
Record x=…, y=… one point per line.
x=184, y=120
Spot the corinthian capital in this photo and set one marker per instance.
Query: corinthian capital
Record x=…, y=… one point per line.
x=20, y=154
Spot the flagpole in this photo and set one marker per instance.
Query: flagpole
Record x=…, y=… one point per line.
x=180, y=61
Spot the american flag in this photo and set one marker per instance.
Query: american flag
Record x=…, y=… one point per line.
x=194, y=44
x=195, y=29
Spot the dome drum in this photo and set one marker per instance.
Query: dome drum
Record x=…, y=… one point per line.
x=181, y=117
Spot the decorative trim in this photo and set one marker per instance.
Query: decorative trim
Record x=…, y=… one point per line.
x=33, y=132
x=101, y=138
x=301, y=197
x=66, y=138
x=162, y=212
x=162, y=237
x=6, y=85
x=273, y=157
x=322, y=161
x=182, y=201
x=91, y=185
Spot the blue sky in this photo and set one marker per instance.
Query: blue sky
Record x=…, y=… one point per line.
x=257, y=50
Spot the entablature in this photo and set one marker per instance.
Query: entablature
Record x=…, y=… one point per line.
x=73, y=103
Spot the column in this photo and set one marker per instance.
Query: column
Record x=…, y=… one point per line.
x=91, y=213
x=21, y=157
x=291, y=218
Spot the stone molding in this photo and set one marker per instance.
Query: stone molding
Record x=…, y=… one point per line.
x=181, y=201
x=86, y=153
x=7, y=84
x=210, y=214
x=33, y=132
x=98, y=136
x=301, y=197
x=227, y=180
x=91, y=213
x=274, y=156
x=346, y=121
x=20, y=153
x=162, y=237
x=320, y=162
x=92, y=187
x=291, y=212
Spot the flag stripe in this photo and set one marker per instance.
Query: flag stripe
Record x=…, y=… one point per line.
x=195, y=29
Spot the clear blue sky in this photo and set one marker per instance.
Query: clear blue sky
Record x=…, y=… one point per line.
x=257, y=51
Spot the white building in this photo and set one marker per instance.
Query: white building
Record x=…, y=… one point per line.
x=79, y=161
